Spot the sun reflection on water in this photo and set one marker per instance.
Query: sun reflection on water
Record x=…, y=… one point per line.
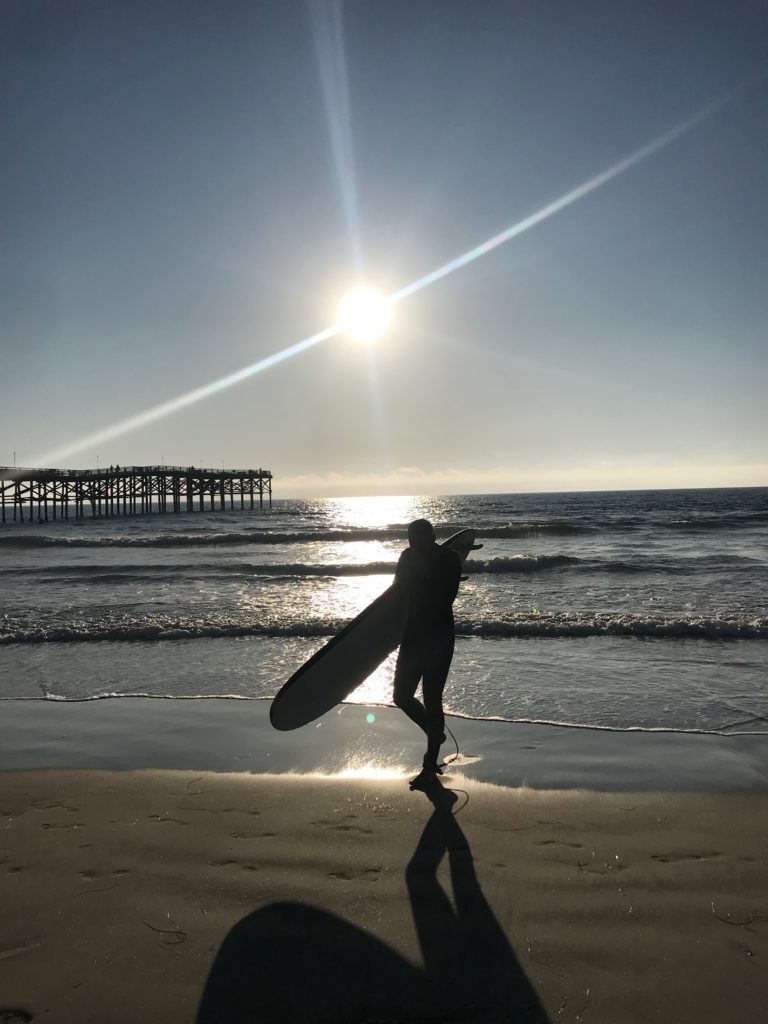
x=342, y=601
x=339, y=599
x=357, y=552
x=377, y=511
x=377, y=688
x=346, y=597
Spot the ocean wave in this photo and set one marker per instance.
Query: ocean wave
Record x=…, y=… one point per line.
x=586, y=624
x=102, y=573
x=247, y=537
x=733, y=520
x=160, y=628
x=194, y=571
x=258, y=535
x=177, y=540
x=552, y=528
x=519, y=563
x=573, y=625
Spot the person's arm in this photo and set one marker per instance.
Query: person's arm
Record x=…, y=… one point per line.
x=455, y=575
x=401, y=571
x=448, y=576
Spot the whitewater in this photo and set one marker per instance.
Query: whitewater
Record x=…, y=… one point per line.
x=620, y=610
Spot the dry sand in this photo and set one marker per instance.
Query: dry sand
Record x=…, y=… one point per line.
x=145, y=896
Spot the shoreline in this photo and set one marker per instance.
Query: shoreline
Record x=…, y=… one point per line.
x=220, y=735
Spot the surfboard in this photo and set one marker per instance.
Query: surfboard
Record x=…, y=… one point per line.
x=357, y=650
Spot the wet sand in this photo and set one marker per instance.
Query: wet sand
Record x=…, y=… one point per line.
x=235, y=735
x=203, y=897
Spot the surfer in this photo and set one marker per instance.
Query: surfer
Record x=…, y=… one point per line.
x=430, y=573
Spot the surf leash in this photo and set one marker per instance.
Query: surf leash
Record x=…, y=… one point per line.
x=447, y=762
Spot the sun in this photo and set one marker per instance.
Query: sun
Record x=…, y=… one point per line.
x=364, y=314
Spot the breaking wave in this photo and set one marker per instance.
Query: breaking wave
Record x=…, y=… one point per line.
x=121, y=627
x=102, y=573
x=179, y=540
x=263, y=537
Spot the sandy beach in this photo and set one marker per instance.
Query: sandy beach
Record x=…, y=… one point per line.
x=405, y=360
x=222, y=897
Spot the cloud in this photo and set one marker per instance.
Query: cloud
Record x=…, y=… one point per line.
x=604, y=475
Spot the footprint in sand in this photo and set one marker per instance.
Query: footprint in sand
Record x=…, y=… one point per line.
x=254, y=835
x=91, y=876
x=368, y=875
x=15, y=1017
x=227, y=862
x=340, y=826
x=46, y=805
x=218, y=810
x=679, y=858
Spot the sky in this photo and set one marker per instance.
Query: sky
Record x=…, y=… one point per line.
x=188, y=188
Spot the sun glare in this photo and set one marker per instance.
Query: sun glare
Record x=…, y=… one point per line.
x=364, y=314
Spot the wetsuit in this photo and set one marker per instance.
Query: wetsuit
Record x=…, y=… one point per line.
x=431, y=576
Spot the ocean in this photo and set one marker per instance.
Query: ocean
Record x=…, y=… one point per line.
x=642, y=610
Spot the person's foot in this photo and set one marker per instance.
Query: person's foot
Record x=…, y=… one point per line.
x=429, y=772
x=426, y=777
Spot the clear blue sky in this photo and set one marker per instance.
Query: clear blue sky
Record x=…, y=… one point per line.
x=188, y=187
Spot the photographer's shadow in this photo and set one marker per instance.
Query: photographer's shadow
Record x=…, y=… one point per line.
x=293, y=962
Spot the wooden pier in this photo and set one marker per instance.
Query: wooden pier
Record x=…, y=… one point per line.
x=45, y=494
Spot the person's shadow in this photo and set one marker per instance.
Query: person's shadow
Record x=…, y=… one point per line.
x=291, y=962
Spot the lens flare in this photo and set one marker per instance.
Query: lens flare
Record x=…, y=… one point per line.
x=367, y=317
x=142, y=419
x=327, y=17
x=566, y=200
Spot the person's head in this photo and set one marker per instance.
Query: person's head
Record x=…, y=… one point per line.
x=420, y=534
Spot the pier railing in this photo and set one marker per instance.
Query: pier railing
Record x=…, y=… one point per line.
x=33, y=493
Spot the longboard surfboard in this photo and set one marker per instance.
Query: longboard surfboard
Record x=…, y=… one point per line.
x=349, y=657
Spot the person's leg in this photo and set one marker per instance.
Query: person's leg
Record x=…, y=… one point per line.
x=435, y=676
x=407, y=674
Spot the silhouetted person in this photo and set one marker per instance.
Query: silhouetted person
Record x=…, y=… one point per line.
x=431, y=575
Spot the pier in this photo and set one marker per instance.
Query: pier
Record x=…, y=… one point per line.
x=37, y=495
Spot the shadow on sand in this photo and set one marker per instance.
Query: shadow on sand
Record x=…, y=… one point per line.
x=293, y=962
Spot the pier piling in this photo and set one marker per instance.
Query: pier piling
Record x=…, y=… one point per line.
x=127, y=491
